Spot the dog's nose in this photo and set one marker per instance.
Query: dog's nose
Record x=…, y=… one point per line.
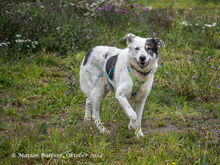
x=142, y=58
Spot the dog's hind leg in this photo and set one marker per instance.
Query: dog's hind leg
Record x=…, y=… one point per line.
x=88, y=112
x=96, y=97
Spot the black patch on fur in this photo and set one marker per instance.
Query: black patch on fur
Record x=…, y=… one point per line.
x=87, y=56
x=110, y=66
x=153, y=44
x=106, y=55
x=110, y=84
x=143, y=73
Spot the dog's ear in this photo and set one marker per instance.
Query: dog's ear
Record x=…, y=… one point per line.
x=129, y=37
x=159, y=42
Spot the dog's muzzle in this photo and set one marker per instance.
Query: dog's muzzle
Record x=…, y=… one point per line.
x=143, y=64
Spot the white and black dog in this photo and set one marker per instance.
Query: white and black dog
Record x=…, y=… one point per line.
x=129, y=72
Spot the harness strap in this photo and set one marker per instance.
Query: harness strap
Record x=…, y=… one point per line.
x=137, y=83
x=100, y=75
x=108, y=77
x=109, y=72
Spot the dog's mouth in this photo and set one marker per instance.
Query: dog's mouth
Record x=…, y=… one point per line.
x=143, y=64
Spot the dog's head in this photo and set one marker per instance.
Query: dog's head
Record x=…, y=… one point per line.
x=144, y=50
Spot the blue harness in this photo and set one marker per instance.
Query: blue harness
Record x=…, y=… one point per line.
x=100, y=75
x=136, y=85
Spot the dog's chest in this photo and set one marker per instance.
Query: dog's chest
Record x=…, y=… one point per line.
x=136, y=83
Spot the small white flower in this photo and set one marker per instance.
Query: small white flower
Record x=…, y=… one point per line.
x=18, y=35
x=207, y=25
x=184, y=23
x=28, y=46
x=149, y=8
x=35, y=42
x=19, y=41
x=42, y=7
x=58, y=28
x=28, y=40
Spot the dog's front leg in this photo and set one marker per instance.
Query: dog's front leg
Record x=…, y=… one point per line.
x=120, y=96
x=139, y=104
x=139, y=107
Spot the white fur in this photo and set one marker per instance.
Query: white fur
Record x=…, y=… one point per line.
x=121, y=82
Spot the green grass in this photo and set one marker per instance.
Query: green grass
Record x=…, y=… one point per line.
x=42, y=107
x=180, y=4
x=42, y=112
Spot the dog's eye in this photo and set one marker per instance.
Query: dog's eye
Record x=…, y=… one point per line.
x=148, y=48
x=137, y=48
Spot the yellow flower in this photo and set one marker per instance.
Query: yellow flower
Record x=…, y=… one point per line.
x=196, y=161
x=24, y=136
x=173, y=163
x=49, y=137
x=64, y=157
x=90, y=128
x=129, y=23
x=103, y=123
x=86, y=134
x=114, y=120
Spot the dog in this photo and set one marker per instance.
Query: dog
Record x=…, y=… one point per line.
x=128, y=72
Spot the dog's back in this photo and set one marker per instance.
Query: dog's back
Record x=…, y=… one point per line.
x=92, y=65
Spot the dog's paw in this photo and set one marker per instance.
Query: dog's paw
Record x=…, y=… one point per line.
x=139, y=133
x=133, y=125
x=101, y=128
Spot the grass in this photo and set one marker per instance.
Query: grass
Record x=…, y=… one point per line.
x=180, y=4
x=42, y=107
